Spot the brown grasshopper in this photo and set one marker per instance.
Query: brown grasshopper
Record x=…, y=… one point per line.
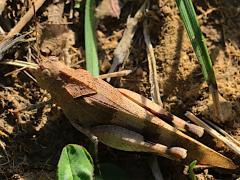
x=121, y=118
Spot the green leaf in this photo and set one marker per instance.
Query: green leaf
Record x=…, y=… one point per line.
x=189, y=18
x=90, y=39
x=75, y=164
x=110, y=171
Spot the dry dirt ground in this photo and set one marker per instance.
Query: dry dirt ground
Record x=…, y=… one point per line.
x=31, y=140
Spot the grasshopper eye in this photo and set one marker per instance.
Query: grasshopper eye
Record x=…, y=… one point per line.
x=46, y=73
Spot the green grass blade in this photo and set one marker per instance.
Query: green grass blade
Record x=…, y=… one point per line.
x=90, y=39
x=189, y=19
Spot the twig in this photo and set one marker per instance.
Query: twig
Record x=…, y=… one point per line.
x=213, y=132
x=25, y=19
x=155, y=92
x=115, y=74
x=122, y=50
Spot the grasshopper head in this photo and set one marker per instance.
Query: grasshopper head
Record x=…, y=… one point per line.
x=55, y=76
x=48, y=73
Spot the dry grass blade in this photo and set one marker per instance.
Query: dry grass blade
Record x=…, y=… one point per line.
x=122, y=51
x=7, y=43
x=235, y=148
x=115, y=74
x=223, y=132
x=155, y=92
x=30, y=76
x=14, y=71
x=20, y=64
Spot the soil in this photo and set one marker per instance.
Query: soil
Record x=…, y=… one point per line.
x=31, y=139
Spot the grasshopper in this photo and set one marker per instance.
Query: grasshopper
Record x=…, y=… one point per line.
x=122, y=119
